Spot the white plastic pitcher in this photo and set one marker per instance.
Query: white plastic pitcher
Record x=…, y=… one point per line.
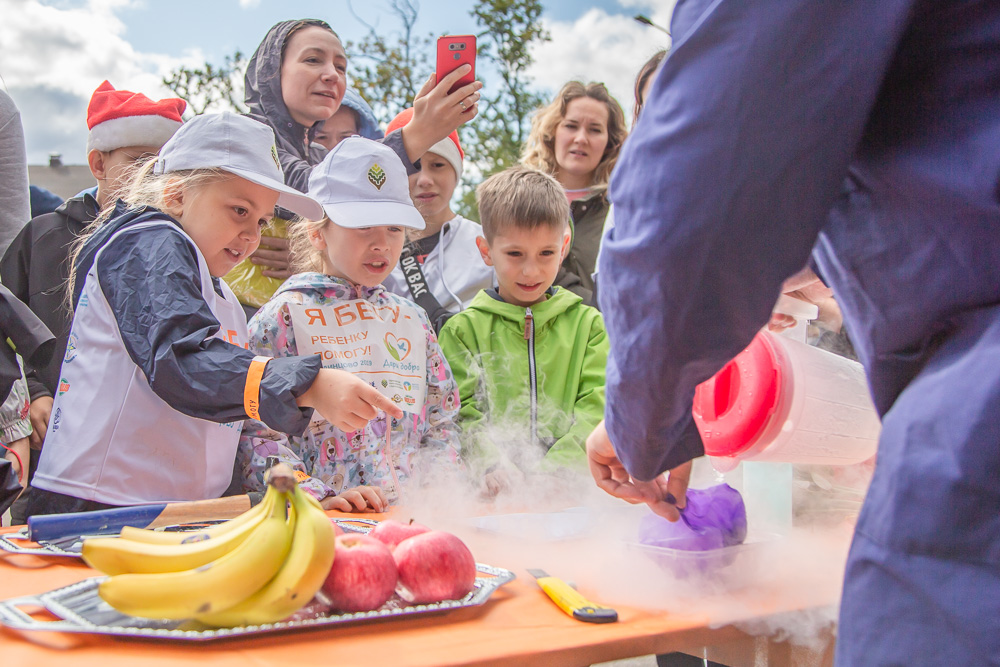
x=783, y=401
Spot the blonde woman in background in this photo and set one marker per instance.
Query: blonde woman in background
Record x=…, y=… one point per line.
x=576, y=138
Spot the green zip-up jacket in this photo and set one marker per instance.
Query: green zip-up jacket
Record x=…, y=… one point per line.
x=538, y=378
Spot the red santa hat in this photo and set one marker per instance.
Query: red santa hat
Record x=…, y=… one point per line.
x=119, y=118
x=449, y=148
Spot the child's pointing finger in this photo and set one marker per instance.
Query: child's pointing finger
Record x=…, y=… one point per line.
x=380, y=402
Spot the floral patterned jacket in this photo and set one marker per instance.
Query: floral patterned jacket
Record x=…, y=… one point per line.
x=334, y=460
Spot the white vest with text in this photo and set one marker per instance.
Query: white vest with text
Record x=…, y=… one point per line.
x=111, y=439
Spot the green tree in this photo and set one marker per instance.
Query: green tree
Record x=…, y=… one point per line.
x=494, y=139
x=389, y=71
x=210, y=87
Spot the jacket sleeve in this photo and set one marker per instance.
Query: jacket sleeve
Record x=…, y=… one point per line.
x=15, y=209
x=15, y=267
x=720, y=194
x=477, y=449
x=151, y=281
x=259, y=443
x=588, y=409
x=296, y=170
x=440, y=432
x=394, y=140
x=14, y=421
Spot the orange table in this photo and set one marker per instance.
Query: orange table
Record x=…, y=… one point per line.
x=518, y=625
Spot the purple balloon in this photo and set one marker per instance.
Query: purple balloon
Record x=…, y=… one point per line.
x=713, y=518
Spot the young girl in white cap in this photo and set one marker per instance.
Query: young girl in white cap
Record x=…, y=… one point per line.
x=339, y=311
x=442, y=259
x=157, y=378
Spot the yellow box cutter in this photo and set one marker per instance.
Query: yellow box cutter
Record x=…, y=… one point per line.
x=571, y=602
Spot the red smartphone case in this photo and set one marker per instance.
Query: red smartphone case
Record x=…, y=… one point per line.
x=454, y=51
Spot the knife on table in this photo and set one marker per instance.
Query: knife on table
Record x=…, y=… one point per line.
x=571, y=601
x=50, y=527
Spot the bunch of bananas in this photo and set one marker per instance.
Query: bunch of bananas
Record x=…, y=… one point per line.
x=260, y=567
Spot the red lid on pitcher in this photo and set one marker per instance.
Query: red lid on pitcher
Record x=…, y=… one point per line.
x=734, y=407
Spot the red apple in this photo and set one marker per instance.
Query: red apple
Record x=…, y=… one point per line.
x=391, y=532
x=433, y=566
x=363, y=575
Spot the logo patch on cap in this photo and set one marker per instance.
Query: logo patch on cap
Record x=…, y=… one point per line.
x=274, y=156
x=376, y=176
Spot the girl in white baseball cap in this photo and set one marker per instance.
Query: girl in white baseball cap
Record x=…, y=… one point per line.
x=157, y=379
x=336, y=309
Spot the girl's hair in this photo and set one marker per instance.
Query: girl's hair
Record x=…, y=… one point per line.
x=539, y=150
x=306, y=256
x=144, y=189
x=647, y=71
x=302, y=24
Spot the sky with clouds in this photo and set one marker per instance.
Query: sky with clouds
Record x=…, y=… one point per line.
x=56, y=52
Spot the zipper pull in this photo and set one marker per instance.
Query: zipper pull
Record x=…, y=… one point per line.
x=529, y=323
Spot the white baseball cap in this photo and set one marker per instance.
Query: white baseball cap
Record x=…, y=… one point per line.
x=239, y=145
x=363, y=183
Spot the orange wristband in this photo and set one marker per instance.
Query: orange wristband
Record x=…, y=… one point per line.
x=251, y=392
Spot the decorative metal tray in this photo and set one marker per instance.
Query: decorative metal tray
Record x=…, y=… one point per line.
x=80, y=609
x=19, y=543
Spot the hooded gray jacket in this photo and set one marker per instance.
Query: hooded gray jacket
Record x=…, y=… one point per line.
x=263, y=96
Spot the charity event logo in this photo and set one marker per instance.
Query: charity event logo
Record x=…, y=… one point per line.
x=376, y=176
x=63, y=385
x=407, y=386
x=385, y=383
x=398, y=347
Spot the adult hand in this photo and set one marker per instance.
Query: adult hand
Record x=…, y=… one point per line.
x=779, y=322
x=345, y=400
x=38, y=413
x=496, y=482
x=274, y=256
x=437, y=113
x=358, y=499
x=664, y=495
x=806, y=286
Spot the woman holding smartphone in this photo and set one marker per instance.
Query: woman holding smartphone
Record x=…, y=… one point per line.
x=294, y=82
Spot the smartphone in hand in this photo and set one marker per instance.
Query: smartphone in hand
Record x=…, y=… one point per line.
x=454, y=51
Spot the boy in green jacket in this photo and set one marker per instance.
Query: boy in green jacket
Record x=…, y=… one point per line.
x=526, y=354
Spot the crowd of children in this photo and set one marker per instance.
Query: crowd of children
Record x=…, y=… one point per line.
x=162, y=389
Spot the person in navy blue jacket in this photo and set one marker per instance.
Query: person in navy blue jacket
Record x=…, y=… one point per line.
x=869, y=134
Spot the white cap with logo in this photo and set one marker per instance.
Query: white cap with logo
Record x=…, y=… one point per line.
x=239, y=145
x=363, y=183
